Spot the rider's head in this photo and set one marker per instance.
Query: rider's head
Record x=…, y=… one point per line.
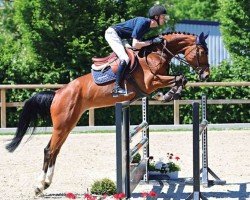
x=158, y=14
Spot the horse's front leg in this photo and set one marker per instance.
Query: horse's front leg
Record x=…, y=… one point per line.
x=175, y=92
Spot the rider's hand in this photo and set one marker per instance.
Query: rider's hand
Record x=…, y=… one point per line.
x=156, y=40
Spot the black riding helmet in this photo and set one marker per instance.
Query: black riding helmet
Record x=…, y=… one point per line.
x=156, y=11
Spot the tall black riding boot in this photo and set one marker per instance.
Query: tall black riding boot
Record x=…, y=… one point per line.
x=118, y=90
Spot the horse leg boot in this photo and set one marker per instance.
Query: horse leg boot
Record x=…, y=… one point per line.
x=179, y=85
x=118, y=90
x=177, y=94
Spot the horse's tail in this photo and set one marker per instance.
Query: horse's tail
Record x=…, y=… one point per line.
x=37, y=106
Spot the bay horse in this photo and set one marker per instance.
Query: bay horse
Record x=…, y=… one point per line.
x=66, y=105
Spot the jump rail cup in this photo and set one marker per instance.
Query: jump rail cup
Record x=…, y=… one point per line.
x=127, y=178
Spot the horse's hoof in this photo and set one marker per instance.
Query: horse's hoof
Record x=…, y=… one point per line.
x=46, y=185
x=38, y=192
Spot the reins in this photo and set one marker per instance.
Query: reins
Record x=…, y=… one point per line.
x=161, y=58
x=199, y=69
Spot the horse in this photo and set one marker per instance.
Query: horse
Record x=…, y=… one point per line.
x=66, y=105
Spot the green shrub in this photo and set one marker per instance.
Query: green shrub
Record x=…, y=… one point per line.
x=136, y=158
x=104, y=186
x=151, y=167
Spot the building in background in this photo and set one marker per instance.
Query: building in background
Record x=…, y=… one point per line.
x=217, y=51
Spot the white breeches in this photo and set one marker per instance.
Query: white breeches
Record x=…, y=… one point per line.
x=116, y=44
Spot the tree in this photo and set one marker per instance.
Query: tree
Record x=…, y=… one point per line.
x=192, y=9
x=53, y=41
x=235, y=27
x=66, y=34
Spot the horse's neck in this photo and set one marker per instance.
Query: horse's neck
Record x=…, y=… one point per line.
x=178, y=43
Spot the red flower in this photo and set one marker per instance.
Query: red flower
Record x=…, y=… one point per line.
x=144, y=194
x=177, y=158
x=119, y=196
x=89, y=197
x=152, y=194
x=70, y=195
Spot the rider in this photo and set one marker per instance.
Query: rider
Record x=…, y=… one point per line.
x=134, y=28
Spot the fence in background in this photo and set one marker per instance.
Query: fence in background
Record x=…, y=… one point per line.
x=176, y=103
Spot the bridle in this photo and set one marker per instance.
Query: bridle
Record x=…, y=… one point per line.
x=199, y=70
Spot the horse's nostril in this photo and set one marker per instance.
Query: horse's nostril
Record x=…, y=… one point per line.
x=204, y=77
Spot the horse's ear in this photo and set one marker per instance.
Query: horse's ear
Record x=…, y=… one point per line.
x=205, y=37
x=201, y=37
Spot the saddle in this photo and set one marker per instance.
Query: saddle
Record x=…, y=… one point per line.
x=104, y=69
x=112, y=60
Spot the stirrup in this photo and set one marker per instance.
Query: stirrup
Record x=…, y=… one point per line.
x=119, y=91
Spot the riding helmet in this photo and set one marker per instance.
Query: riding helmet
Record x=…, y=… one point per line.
x=156, y=11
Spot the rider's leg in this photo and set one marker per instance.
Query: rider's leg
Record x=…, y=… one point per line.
x=119, y=78
x=116, y=44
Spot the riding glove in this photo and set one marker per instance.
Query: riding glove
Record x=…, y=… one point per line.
x=156, y=40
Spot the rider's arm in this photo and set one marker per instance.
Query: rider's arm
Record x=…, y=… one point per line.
x=139, y=44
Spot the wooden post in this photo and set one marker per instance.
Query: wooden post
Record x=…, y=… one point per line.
x=92, y=117
x=176, y=112
x=3, y=108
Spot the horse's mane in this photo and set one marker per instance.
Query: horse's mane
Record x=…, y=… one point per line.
x=170, y=33
x=174, y=32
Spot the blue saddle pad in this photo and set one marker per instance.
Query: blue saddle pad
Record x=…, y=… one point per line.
x=105, y=76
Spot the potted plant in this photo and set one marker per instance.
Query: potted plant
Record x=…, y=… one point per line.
x=173, y=166
x=170, y=168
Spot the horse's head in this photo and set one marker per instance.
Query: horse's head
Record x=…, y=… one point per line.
x=197, y=56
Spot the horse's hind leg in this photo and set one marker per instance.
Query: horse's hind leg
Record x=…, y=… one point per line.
x=66, y=110
x=50, y=154
x=41, y=179
x=51, y=168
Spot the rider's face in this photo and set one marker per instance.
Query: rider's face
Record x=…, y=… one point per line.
x=163, y=19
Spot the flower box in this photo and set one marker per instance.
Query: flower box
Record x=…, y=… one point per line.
x=161, y=170
x=173, y=175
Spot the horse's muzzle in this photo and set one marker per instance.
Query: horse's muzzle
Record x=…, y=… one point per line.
x=204, y=76
x=204, y=73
